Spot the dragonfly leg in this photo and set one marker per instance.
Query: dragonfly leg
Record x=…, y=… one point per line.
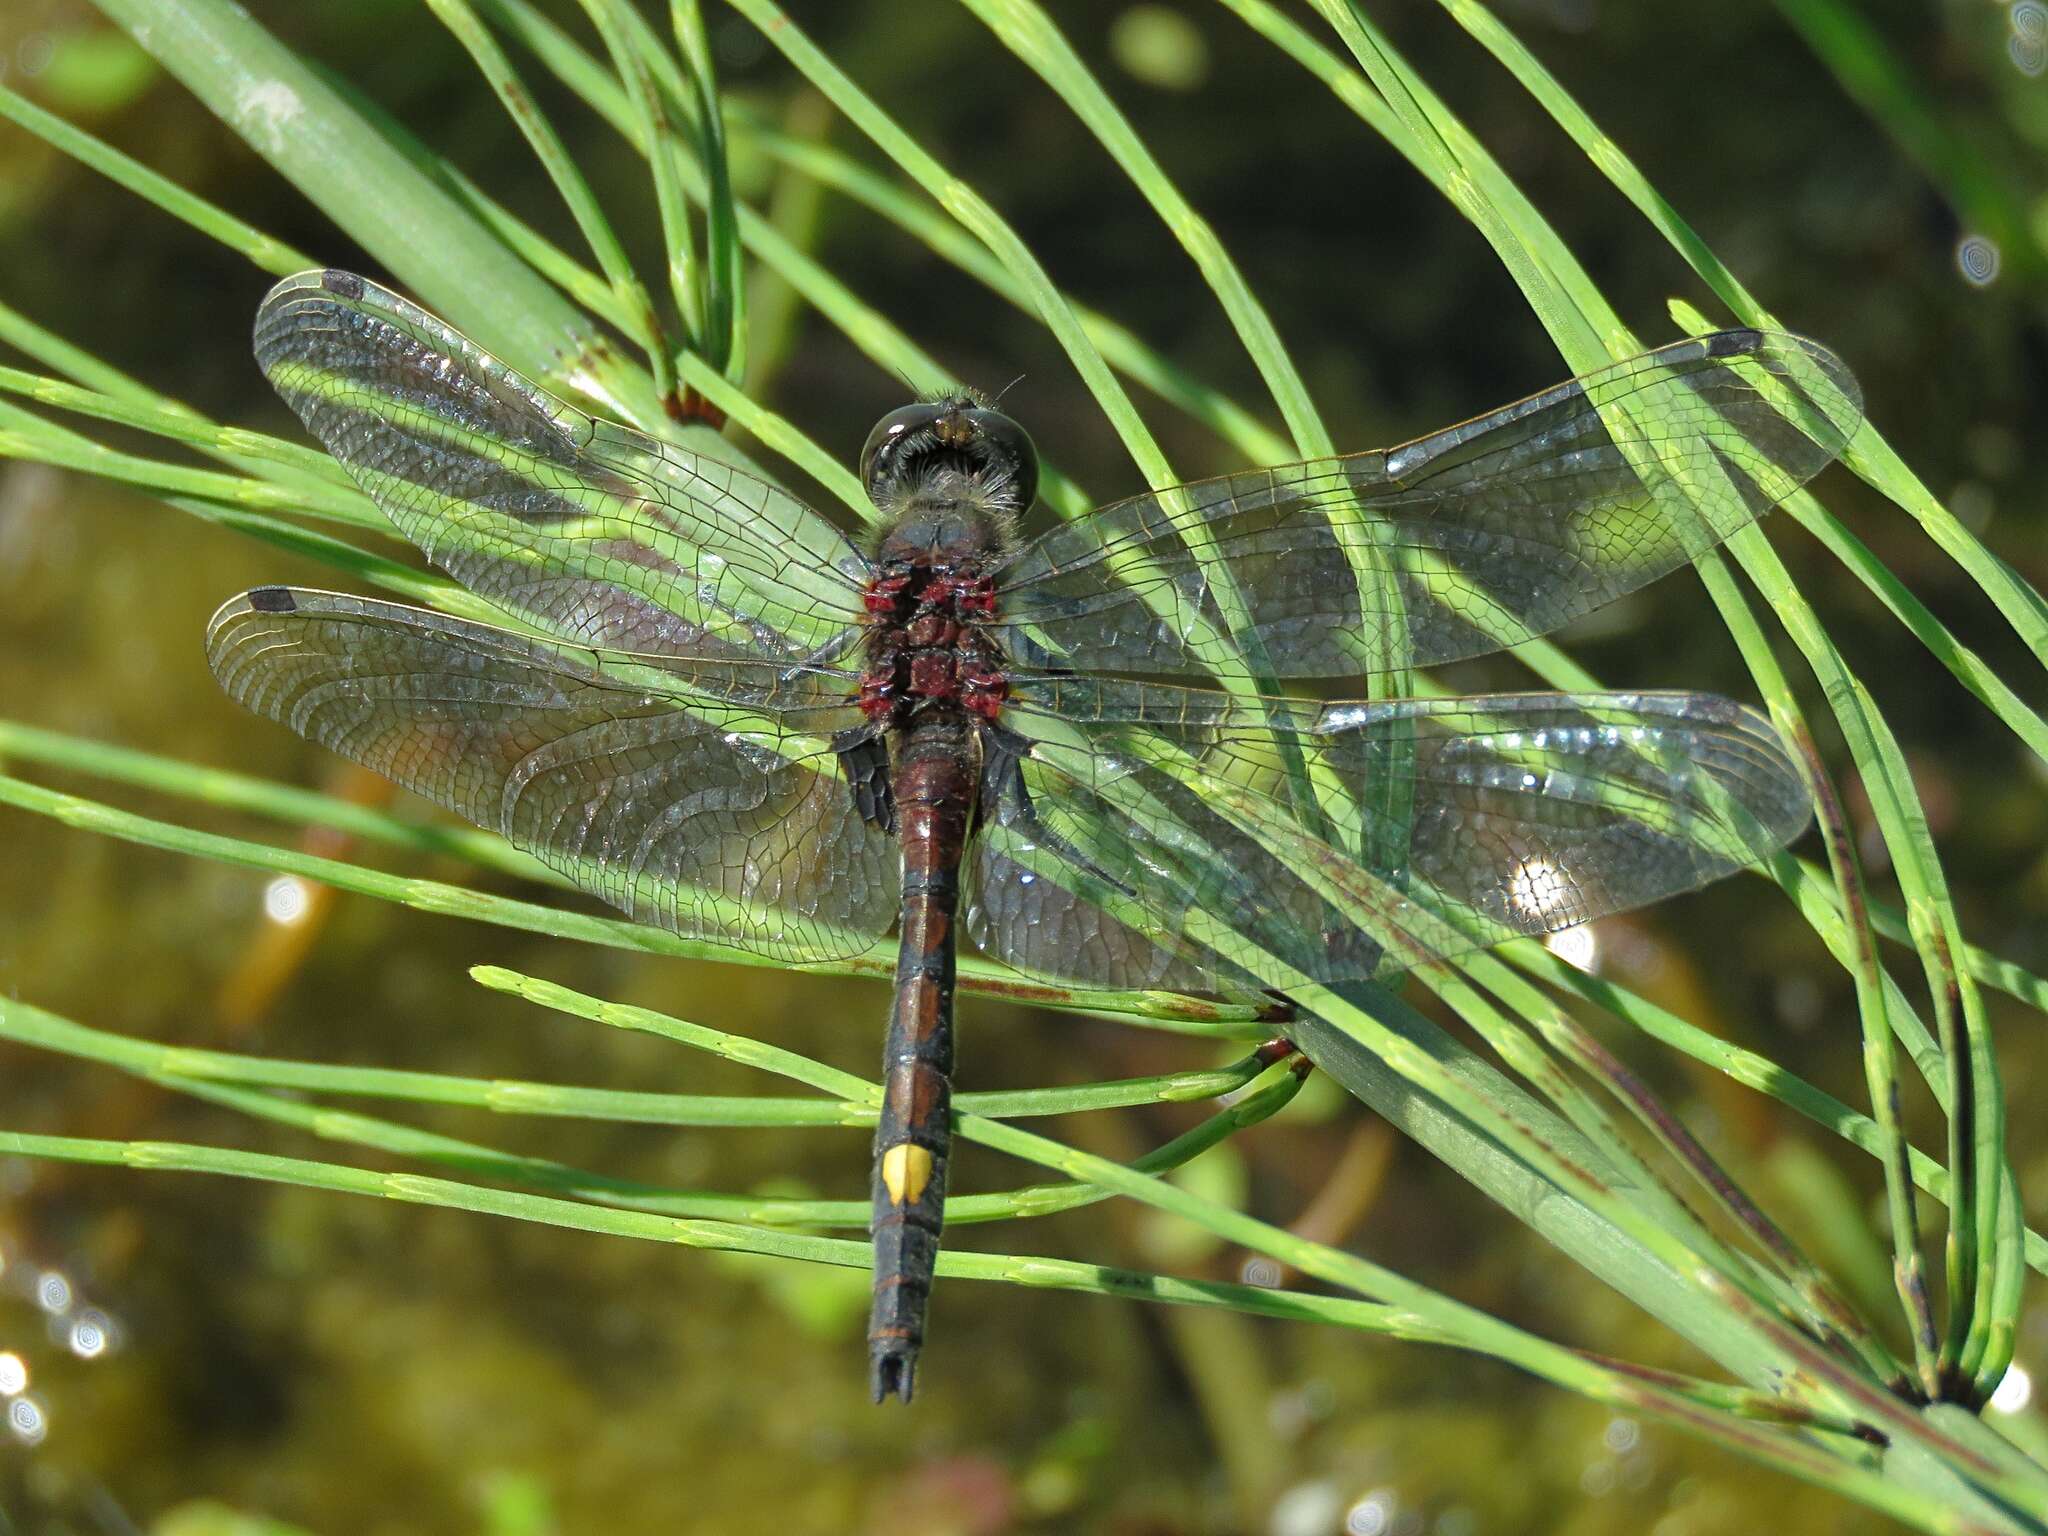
x=863, y=754
x=1005, y=801
x=828, y=653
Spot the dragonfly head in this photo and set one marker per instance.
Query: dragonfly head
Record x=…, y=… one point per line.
x=954, y=447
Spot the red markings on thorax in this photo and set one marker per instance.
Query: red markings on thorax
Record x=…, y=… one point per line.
x=926, y=645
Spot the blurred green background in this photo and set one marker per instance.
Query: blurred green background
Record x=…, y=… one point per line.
x=348, y=1366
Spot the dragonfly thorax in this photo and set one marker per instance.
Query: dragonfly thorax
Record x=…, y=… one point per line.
x=956, y=532
x=928, y=645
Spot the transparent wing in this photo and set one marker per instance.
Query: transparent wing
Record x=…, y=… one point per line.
x=1178, y=811
x=1088, y=890
x=577, y=526
x=710, y=804
x=1481, y=535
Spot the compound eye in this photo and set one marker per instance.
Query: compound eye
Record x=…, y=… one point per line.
x=890, y=431
x=1010, y=447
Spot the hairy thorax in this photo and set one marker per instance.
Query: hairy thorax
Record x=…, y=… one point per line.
x=928, y=603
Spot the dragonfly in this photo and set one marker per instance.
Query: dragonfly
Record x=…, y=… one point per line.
x=710, y=707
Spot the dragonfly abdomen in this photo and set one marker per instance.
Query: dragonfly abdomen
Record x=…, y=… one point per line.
x=935, y=780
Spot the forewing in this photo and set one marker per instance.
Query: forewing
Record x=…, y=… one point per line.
x=577, y=526
x=1479, y=536
x=1516, y=814
x=709, y=804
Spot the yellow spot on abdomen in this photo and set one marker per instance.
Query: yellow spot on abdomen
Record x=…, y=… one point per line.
x=906, y=1169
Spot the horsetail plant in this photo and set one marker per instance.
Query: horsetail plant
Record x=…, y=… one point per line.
x=1812, y=1386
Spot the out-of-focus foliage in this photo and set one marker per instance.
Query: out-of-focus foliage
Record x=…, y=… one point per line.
x=354, y=1366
